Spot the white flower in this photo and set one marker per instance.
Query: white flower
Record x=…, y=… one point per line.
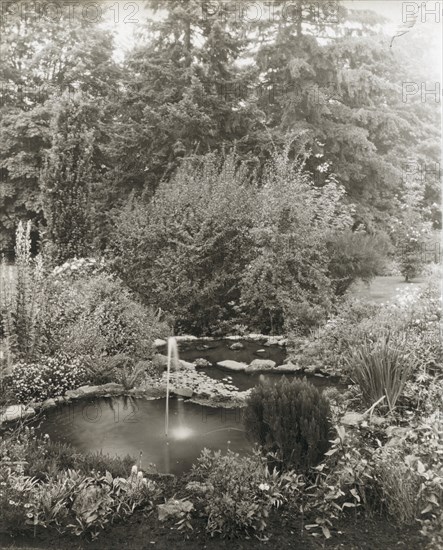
x=263, y=487
x=134, y=470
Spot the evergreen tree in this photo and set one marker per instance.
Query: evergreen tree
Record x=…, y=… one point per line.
x=43, y=56
x=68, y=178
x=289, y=419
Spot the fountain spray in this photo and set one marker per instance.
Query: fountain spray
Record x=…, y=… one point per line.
x=172, y=349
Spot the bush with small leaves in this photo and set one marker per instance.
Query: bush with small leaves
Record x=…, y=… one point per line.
x=289, y=419
x=49, y=377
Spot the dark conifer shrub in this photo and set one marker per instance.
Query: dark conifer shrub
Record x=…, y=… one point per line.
x=289, y=419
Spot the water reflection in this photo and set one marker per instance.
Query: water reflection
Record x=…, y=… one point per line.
x=124, y=425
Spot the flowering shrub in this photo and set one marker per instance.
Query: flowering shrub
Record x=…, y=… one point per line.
x=50, y=377
x=77, y=268
x=23, y=293
x=15, y=496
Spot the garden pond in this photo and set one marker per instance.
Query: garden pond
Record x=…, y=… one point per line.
x=136, y=426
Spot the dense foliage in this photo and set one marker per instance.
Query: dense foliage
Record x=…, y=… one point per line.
x=215, y=246
x=69, y=326
x=289, y=419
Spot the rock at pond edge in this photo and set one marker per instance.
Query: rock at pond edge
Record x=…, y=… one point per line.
x=232, y=365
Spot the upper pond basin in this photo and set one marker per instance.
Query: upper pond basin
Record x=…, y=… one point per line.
x=123, y=425
x=219, y=350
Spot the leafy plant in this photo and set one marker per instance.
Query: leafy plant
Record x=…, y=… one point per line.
x=399, y=484
x=71, y=501
x=97, y=316
x=381, y=369
x=355, y=255
x=240, y=492
x=289, y=419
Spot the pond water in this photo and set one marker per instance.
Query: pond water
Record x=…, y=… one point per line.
x=219, y=350
x=123, y=425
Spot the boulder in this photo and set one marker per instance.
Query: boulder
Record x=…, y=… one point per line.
x=183, y=391
x=186, y=365
x=273, y=341
x=111, y=387
x=74, y=394
x=236, y=346
x=48, y=404
x=201, y=363
x=174, y=509
x=261, y=365
x=85, y=391
x=203, y=347
x=232, y=365
x=288, y=368
x=158, y=343
x=253, y=337
x=15, y=412
x=200, y=488
x=185, y=338
x=352, y=419
x=159, y=361
x=312, y=369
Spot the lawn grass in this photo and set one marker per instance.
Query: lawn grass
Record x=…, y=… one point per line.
x=385, y=289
